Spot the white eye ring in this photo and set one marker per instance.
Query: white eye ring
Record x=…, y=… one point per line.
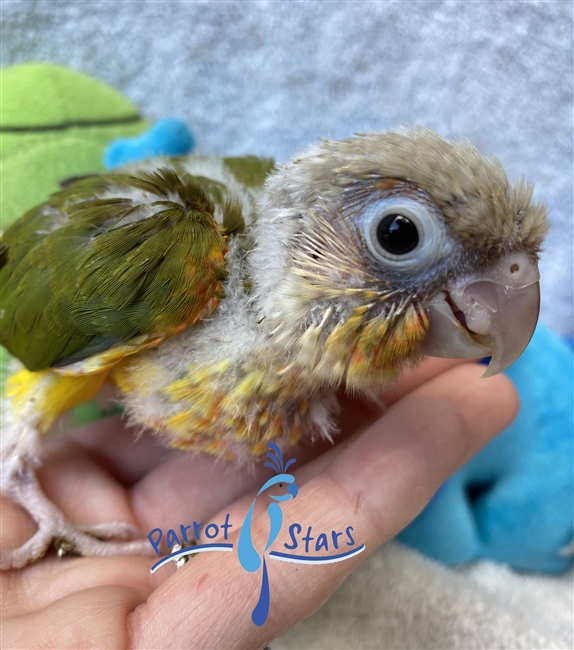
x=432, y=241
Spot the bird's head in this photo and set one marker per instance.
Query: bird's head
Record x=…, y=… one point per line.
x=375, y=250
x=280, y=488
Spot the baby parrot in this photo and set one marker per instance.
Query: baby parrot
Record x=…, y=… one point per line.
x=227, y=299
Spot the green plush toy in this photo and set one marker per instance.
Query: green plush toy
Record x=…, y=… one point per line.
x=55, y=123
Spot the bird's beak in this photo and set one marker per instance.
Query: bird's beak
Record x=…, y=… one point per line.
x=493, y=313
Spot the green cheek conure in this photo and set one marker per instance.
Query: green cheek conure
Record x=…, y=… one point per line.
x=228, y=300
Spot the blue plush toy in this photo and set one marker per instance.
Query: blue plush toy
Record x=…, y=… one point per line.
x=514, y=501
x=168, y=137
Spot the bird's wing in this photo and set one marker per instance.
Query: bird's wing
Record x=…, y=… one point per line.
x=113, y=264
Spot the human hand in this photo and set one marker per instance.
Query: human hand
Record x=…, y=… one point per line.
x=379, y=475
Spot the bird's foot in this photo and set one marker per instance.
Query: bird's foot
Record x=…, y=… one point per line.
x=54, y=530
x=94, y=540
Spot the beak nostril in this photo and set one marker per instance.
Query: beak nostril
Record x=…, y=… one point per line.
x=514, y=268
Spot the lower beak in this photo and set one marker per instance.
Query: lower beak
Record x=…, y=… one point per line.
x=491, y=314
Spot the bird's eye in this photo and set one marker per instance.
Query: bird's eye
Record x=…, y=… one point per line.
x=404, y=233
x=280, y=484
x=397, y=234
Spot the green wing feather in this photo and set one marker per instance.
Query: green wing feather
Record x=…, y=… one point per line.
x=114, y=257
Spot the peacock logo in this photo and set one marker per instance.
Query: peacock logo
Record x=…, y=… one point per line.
x=280, y=488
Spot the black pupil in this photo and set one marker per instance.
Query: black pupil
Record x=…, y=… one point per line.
x=397, y=234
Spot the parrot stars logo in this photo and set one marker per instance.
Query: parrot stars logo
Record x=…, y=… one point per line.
x=249, y=558
x=279, y=489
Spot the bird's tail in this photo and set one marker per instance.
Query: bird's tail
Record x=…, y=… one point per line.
x=261, y=611
x=31, y=403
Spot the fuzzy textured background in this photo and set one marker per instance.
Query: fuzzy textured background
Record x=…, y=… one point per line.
x=270, y=77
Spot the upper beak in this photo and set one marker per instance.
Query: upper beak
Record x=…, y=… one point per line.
x=293, y=489
x=491, y=314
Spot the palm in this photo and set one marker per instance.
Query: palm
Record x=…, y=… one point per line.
x=97, y=474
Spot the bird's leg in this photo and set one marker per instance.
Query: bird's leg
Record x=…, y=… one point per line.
x=24, y=417
x=54, y=529
x=111, y=530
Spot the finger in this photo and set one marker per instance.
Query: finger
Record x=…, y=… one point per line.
x=85, y=492
x=86, y=619
x=429, y=369
x=376, y=484
x=190, y=487
x=476, y=397
x=126, y=455
x=358, y=413
x=40, y=584
x=17, y=526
